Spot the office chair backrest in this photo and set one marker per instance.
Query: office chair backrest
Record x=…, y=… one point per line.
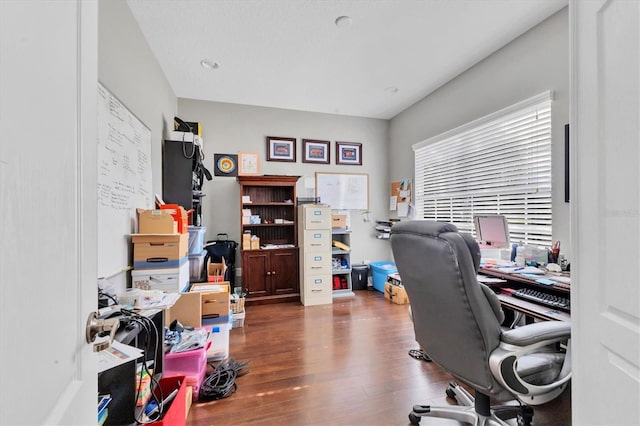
x=454, y=322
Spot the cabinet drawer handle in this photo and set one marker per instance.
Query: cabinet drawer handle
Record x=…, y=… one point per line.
x=268, y=272
x=273, y=273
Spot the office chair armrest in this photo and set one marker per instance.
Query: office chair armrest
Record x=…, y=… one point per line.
x=533, y=339
x=537, y=332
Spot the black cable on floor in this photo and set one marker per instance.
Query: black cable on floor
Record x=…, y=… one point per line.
x=221, y=383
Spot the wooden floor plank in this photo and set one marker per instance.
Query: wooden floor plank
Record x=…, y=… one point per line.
x=340, y=364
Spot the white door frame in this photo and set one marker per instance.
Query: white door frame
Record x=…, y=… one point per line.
x=605, y=219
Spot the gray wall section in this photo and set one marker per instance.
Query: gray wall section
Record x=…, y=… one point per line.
x=129, y=69
x=229, y=128
x=535, y=62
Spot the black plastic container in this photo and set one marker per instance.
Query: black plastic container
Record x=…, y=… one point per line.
x=359, y=277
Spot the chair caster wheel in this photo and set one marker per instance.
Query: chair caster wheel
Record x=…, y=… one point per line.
x=413, y=419
x=451, y=393
x=524, y=419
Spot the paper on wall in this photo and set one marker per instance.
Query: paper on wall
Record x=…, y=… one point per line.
x=403, y=209
x=393, y=202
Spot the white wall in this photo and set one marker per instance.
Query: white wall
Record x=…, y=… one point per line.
x=229, y=128
x=128, y=68
x=535, y=62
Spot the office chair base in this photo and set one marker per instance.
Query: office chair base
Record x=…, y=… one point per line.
x=469, y=410
x=461, y=414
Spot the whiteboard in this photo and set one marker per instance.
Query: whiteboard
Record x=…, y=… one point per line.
x=348, y=191
x=124, y=180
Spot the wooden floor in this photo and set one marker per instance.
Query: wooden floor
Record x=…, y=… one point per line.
x=340, y=364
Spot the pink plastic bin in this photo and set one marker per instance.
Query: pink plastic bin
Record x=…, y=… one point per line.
x=191, y=364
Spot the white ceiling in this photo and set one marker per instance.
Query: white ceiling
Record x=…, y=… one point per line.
x=291, y=54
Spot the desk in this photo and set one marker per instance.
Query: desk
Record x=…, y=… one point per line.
x=530, y=309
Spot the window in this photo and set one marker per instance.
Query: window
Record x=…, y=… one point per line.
x=498, y=164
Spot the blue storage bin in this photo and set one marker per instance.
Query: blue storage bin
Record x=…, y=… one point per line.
x=196, y=239
x=379, y=272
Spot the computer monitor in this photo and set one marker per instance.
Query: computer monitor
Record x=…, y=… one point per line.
x=492, y=230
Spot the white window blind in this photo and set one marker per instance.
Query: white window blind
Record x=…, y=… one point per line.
x=498, y=164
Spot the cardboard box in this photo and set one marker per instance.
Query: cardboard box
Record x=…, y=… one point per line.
x=161, y=263
x=179, y=214
x=156, y=222
x=246, y=241
x=150, y=248
x=216, y=271
x=187, y=310
x=338, y=221
x=215, y=301
x=172, y=280
x=255, y=243
x=395, y=294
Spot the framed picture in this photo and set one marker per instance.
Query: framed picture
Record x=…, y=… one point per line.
x=225, y=165
x=248, y=163
x=281, y=149
x=314, y=151
x=349, y=153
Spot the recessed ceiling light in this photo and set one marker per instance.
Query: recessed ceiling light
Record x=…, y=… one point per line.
x=209, y=64
x=391, y=89
x=343, y=21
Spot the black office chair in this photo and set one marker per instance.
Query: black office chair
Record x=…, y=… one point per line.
x=457, y=321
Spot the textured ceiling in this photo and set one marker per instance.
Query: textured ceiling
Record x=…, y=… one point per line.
x=291, y=54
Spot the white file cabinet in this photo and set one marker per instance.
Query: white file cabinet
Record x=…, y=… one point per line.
x=314, y=240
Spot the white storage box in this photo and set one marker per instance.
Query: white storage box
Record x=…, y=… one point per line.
x=219, y=338
x=237, y=319
x=165, y=279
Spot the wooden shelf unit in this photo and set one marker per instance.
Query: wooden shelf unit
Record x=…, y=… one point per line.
x=270, y=275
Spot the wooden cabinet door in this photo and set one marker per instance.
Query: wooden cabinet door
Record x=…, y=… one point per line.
x=284, y=271
x=255, y=267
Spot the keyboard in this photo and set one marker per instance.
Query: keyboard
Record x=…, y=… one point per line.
x=542, y=298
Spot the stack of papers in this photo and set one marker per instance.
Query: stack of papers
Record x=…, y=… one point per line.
x=520, y=270
x=497, y=262
x=116, y=354
x=489, y=280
